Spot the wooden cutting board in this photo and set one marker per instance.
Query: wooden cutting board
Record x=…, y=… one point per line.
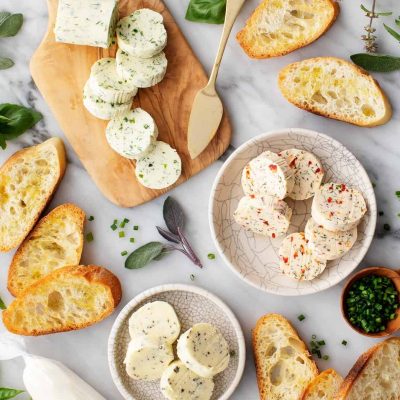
x=60, y=72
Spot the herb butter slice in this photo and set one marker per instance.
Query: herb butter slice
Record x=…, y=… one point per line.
x=90, y=23
x=142, y=33
x=160, y=168
x=141, y=72
x=132, y=134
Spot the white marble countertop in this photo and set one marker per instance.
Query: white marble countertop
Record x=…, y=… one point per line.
x=251, y=96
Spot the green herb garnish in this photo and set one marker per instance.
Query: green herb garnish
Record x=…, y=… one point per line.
x=211, y=256
x=89, y=237
x=325, y=357
x=376, y=62
x=121, y=234
x=398, y=194
x=316, y=345
x=6, y=393
x=301, y=317
x=123, y=223
x=208, y=11
x=10, y=24
x=132, y=240
x=124, y=253
x=371, y=303
x=2, y=304
x=145, y=254
x=387, y=227
x=192, y=277
x=136, y=228
x=344, y=342
x=91, y=218
x=381, y=213
x=114, y=227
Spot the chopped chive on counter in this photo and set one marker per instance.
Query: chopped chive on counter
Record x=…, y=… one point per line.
x=89, y=237
x=132, y=240
x=398, y=194
x=121, y=234
x=325, y=357
x=386, y=227
x=373, y=185
x=114, y=227
x=398, y=214
x=136, y=228
x=91, y=218
x=381, y=213
x=316, y=345
x=344, y=342
x=192, y=277
x=211, y=256
x=313, y=337
x=123, y=223
x=301, y=317
x=124, y=253
x=321, y=343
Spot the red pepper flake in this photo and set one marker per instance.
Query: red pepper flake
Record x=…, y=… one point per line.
x=252, y=196
x=273, y=167
x=265, y=223
x=343, y=187
x=331, y=214
x=273, y=236
x=248, y=173
x=285, y=260
x=339, y=201
x=330, y=199
x=301, y=249
x=296, y=254
x=318, y=170
x=309, y=163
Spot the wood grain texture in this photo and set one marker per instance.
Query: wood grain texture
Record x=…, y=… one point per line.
x=60, y=72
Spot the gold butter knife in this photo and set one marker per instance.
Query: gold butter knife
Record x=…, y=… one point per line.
x=207, y=109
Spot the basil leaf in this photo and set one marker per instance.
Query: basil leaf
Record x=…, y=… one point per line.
x=6, y=63
x=376, y=62
x=11, y=25
x=208, y=11
x=173, y=215
x=395, y=34
x=6, y=393
x=144, y=255
x=171, y=237
x=2, y=304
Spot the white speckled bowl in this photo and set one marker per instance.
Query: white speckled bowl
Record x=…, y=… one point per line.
x=192, y=305
x=255, y=258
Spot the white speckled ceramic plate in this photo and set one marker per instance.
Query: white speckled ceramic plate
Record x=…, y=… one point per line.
x=255, y=258
x=192, y=305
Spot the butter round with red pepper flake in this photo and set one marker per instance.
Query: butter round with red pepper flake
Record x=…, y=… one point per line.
x=297, y=260
x=337, y=207
x=307, y=171
x=268, y=174
x=326, y=244
x=263, y=215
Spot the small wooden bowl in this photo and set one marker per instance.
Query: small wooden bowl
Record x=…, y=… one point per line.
x=394, y=275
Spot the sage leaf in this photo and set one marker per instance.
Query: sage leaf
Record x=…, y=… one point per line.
x=2, y=304
x=11, y=25
x=208, y=11
x=171, y=237
x=3, y=16
x=383, y=14
x=6, y=393
x=395, y=34
x=376, y=62
x=189, y=250
x=173, y=215
x=144, y=255
x=6, y=63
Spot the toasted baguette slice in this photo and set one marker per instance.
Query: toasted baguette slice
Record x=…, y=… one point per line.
x=324, y=387
x=375, y=375
x=56, y=241
x=67, y=299
x=28, y=180
x=278, y=27
x=283, y=364
x=335, y=88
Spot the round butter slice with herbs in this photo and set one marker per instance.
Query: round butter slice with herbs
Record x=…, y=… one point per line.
x=204, y=350
x=142, y=33
x=156, y=320
x=160, y=167
x=326, y=244
x=132, y=134
x=338, y=207
x=180, y=383
x=141, y=72
x=108, y=85
x=100, y=108
x=297, y=260
x=147, y=359
x=268, y=174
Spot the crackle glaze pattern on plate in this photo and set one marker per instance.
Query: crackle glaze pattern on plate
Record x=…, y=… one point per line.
x=192, y=305
x=255, y=258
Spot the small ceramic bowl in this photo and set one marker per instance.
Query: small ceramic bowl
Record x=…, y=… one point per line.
x=192, y=305
x=255, y=258
x=393, y=325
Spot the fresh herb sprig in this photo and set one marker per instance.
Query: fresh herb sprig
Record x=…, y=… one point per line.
x=207, y=11
x=15, y=120
x=316, y=347
x=6, y=393
x=174, y=219
x=10, y=24
x=2, y=307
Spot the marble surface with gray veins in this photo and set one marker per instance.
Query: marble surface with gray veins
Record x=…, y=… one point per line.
x=252, y=99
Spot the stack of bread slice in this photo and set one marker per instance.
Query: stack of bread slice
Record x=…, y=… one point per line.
x=54, y=293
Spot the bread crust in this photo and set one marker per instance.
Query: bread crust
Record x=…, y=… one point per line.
x=358, y=70
x=93, y=274
x=240, y=37
x=58, y=145
x=314, y=383
x=257, y=359
x=64, y=209
x=358, y=368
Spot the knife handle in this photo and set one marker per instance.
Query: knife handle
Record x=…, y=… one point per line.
x=232, y=11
